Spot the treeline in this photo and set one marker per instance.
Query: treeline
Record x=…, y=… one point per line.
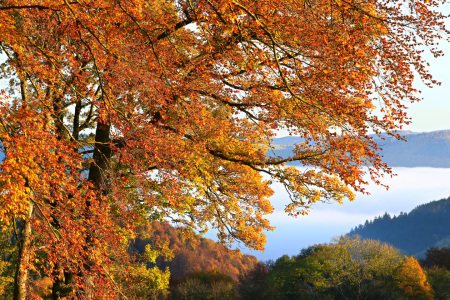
x=425, y=226
x=347, y=268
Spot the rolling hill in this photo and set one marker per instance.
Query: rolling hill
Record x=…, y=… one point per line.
x=426, y=149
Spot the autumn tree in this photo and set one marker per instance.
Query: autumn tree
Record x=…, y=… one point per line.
x=119, y=112
x=412, y=280
x=348, y=268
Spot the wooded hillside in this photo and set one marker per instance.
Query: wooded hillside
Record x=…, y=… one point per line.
x=192, y=252
x=425, y=226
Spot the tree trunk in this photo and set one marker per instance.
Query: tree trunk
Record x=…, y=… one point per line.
x=100, y=164
x=102, y=155
x=21, y=276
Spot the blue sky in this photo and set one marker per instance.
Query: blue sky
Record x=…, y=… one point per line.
x=433, y=112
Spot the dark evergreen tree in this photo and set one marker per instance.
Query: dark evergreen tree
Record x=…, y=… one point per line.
x=425, y=226
x=437, y=257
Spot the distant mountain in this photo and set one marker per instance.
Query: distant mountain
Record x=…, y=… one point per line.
x=427, y=149
x=425, y=226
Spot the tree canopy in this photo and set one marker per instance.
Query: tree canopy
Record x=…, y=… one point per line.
x=119, y=112
x=347, y=268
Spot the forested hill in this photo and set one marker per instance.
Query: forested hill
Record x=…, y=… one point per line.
x=192, y=252
x=426, y=225
x=427, y=149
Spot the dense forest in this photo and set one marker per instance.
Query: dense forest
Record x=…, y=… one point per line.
x=425, y=226
x=191, y=252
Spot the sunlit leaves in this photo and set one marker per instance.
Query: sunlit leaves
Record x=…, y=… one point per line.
x=128, y=111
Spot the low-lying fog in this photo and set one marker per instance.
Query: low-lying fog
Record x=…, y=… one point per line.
x=412, y=186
